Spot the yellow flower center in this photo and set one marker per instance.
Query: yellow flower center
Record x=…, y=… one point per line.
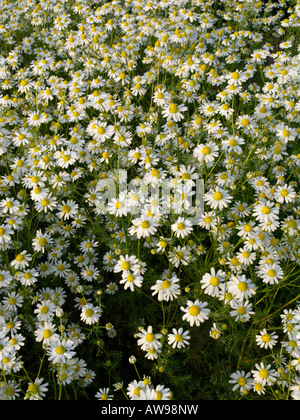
x=242, y=381
x=130, y=278
x=60, y=349
x=33, y=389
x=214, y=281
x=242, y=286
x=101, y=130
x=206, y=150
x=263, y=373
x=173, y=109
x=218, y=196
x=241, y=310
x=271, y=273
x=245, y=122
x=66, y=208
x=166, y=284
x=266, y=338
x=89, y=312
x=44, y=310
x=194, y=310
x=43, y=241
x=150, y=337
x=181, y=226
x=126, y=265
x=266, y=210
x=178, y=338
x=47, y=333
x=145, y=224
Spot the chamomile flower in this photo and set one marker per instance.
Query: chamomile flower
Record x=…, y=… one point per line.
x=28, y=277
x=138, y=89
x=233, y=144
x=167, y=288
x=214, y=332
x=208, y=220
x=146, y=394
x=271, y=273
x=90, y=273
x=37, y=390
x=182, y=227
x=147, y=339
x=9, y=206
x=90, y=314
x=206, y=152
x=21, y=261
x=46, y=332
x=47, y=204
x=241, y=209
x=180, y=256
x=266, y=212
x=35, y=119
x=161, y=97
x=179, y=338
x=9, y=391
x=162, y=393
x=101, y=131
x=174, y=112
x=127, y=265
x=195, y=313
x=285, y=194
x=131, y=280
x=266, y=340
x=246, y=257
x=103, y=394
x=5, y=278
x=118, y=206
x=264, y=375
x=111, y=288
x=65, y=158
x=241, y=310
x=45, y=310
x=240, y=287
x=144, y=226
x=218, y=198
x=68, y=209
x=211, y=281
x=241, y=381
x=60, y=351
x=245, y=123
x=41, y=241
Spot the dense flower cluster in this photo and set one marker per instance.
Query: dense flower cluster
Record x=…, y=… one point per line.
x=111, y=113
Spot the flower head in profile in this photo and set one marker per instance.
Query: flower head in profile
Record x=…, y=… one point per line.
x=103, y=394
x=37, y=390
